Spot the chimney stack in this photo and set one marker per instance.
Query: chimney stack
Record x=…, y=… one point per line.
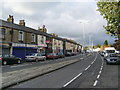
x=22, y=22
x=43, y=29
x=10, y=19
x=53, y=34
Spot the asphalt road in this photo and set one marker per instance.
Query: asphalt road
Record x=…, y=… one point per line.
x=91, y=72
x=25, y=65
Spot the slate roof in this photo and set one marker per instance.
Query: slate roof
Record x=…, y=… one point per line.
x=31, y=30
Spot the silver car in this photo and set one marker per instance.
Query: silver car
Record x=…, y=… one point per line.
x=112, y=59
x=35, y=57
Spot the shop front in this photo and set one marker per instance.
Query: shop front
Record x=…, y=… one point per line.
x=5, y=48
x=21, y=50
x=41, y=48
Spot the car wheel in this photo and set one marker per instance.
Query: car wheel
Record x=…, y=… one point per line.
x=4, y=62
x=19, y=62
x=36, y=60
x=44, y=59
x=107, y=62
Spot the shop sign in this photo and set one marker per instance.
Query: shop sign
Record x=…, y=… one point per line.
x=31, y=45
x=42, y=45
x=48, y=41
x=4, y=45
x=18, y=44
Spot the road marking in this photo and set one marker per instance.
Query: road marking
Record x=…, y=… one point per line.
x=19, y=65
x=98, y=76
x=95, y=58
x=95, y=83
x=101, y=68
x=100, y=72
x=81, y=58
x=88, y=67
x=72, y=79
x=102, y=64
x=92, y=62
x=42, y=62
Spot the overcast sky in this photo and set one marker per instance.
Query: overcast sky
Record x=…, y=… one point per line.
x=74, y=19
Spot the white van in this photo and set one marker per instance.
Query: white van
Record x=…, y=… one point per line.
x=109, y=50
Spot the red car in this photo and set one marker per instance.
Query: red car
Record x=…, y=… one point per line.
x=51, y=56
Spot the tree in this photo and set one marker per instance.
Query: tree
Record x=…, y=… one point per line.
x=117, y=44
x=106, y=43
x=97, y=46
x=111, y=12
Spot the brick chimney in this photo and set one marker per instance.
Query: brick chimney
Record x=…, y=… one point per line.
x=40, y=29
x=10, y=19
x=53, y=34
x=22, y=22
x=43, y=29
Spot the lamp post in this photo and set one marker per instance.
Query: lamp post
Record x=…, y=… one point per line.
x=90, y=42
x=83, y=32
x=92, y=45
x=83, y=37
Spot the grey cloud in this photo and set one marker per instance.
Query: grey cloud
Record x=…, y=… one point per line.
x=63, y=19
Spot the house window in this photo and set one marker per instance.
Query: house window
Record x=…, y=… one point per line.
x=33, y=37
x=42, y=40
x=2, y=33
x=21, y=36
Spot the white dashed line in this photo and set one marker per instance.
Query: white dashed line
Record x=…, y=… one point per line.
x=95, y=83
x=102, y=63
x=72, y=79
x=99, y=72
x=101, y=68
x=92, y=62
x=98, y=76
x=81, y=58
x=88, y=67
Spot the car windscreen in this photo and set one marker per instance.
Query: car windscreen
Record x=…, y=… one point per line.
x=5, y=55
x=0, y=55
x=33, y=54
x=50, y=54
x=113, y=55
x=110, y=51
x=54, y=54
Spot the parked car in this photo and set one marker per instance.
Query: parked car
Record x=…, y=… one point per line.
x=74, y=53
x=108, y=51
x=68, y=54
x=102, y=53
x=35, y=57
x=112, y=59
x=61, y=55
x=9, y=59
x=51, y=56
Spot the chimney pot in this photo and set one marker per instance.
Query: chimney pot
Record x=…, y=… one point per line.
x=22, y=22
x=10, y=19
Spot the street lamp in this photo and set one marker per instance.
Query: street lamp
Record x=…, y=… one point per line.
x=83, y=32
x=83, y=22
